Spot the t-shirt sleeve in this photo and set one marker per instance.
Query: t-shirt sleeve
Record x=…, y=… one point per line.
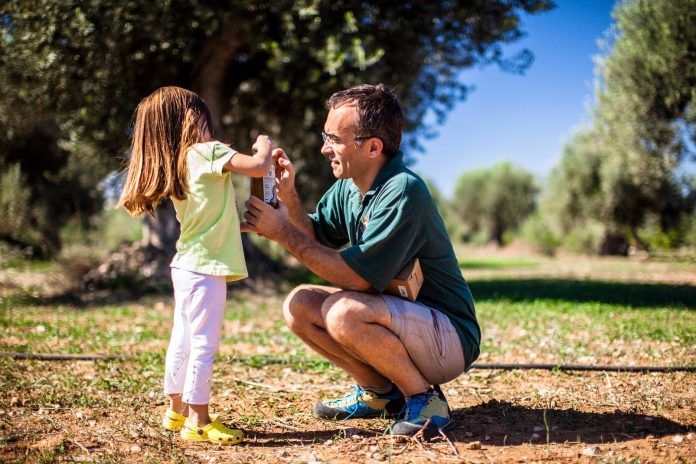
x=392, y=237
x=221, y=154
x=329, y=221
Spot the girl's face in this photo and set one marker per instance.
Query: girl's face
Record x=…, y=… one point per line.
x=202, y=125
x=204, y=130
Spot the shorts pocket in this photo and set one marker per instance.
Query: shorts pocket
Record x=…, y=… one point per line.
x=438, y=332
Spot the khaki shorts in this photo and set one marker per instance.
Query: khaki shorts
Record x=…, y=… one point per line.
x=430, y=339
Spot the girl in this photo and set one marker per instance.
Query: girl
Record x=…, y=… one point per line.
x=173, y=155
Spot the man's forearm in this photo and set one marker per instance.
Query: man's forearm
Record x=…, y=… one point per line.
x=297, y=214
x=325, y=262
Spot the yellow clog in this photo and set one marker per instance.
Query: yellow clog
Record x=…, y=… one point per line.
x=215, y=432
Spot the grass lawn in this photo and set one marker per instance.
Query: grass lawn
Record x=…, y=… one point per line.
x=531, y=309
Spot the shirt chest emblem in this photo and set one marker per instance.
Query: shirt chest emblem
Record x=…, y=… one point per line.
x=363, y=225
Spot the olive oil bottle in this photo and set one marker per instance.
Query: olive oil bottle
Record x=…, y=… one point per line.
x=265, y=187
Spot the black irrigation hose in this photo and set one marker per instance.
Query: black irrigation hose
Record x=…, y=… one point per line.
x=263, y=360
x=585, y=367
x=63, y=357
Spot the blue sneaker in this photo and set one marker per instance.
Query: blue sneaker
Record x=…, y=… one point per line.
x=424, y=408
x=361, y=404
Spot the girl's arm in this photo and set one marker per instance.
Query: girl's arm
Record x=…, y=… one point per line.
x=255, y=165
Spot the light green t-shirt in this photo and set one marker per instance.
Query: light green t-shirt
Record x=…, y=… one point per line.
x=210, y=241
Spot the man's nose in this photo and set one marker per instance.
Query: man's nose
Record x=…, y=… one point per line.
x=326, y=149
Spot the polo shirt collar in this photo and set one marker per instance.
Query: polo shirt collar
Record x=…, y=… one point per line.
x=393, y=165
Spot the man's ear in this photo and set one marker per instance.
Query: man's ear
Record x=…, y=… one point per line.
x=376, y=147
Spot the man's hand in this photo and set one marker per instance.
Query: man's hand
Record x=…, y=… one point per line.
x=265, y=219
x=285, y=174
x=325, y=262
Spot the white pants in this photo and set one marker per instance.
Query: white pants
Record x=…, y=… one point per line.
x=198, y=314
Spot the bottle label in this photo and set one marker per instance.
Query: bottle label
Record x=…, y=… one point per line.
x=269, y=193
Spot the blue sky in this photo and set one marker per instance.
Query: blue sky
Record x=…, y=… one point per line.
x=523, y=118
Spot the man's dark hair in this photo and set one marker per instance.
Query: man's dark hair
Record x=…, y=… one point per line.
x=379, y=113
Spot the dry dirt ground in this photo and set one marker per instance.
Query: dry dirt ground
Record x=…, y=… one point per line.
x=103, y=411
x=501, y=417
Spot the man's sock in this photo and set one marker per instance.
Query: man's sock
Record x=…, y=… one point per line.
x=385, y=390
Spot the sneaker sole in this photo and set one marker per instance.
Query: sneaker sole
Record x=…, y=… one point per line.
x=324, y=412
x=428, y=432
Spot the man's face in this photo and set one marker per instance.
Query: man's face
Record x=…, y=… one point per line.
x=340, y=147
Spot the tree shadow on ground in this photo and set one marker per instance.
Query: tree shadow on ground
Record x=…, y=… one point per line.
x=290, y=438
x=129, y=292
x=627, y=294
x=499, y=423
x=502, y=423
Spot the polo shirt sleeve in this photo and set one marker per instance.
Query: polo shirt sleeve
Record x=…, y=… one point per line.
x=329, y=221
x=390, y=240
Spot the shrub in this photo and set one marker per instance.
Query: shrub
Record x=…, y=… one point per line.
x=584, y=239
x=537, y=234
x=15, y=210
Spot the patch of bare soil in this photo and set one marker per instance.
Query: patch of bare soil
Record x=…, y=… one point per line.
x=501, y=416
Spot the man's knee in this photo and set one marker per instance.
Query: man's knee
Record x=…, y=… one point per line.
x=299, y=305
x=342, y=314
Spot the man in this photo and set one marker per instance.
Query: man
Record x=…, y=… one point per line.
x=368, y=226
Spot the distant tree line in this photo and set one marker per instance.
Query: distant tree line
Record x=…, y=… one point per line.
x=620, y=181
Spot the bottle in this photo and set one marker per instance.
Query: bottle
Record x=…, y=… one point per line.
x=265, y=187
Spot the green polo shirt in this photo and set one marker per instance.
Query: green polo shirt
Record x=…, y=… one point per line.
x=397, y=221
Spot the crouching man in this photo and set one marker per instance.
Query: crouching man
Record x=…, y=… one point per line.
x=375, y=219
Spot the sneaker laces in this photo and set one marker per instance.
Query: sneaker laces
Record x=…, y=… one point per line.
x=351, y=399
x=354, y=395
x=357, y=392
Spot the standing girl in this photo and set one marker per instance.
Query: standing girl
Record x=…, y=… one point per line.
x=173, y=155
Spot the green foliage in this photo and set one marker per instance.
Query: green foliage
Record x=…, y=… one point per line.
x=573, y=194
x=498, y=263
x=14, y=205
x=446, y=209
x=661, y=239
x=537, y=233
x=107, y=230
x=84, y=246
x=622, y=172
x=650, y=73
x=48, y=181
x=73, y=72
x=585, y=239
x=495, y=200
x=11, y=256
x=690, y=232
x=658, y=239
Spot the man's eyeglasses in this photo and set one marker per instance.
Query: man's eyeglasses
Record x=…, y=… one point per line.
x=331, y=140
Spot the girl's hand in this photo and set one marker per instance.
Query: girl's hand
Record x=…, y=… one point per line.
x=285, y=174
x=263, y=145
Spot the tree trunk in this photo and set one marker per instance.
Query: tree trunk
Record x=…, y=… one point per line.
x=613, y=244
x=496, y=235
x=161, y=231
x=211, y=70
x=638, y=243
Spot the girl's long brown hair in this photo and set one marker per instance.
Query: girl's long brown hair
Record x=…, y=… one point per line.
x=167, y=123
